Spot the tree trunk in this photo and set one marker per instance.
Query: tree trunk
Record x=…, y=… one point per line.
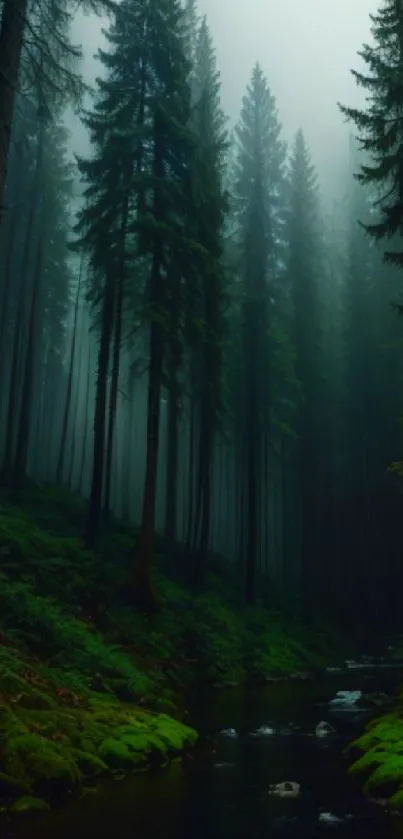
x=74, y=412
x=205, y=454
x=171, y=494
x=21, y=455
x=126, y=476
x=12, y=27
x=42, y=454
x=12, y=409
x=252, y=451
x=85, y=429
x=144, y=593
x=113, y=396
x=67, y=404
x=94, y=511
x=191, y=475
x=116, y=355
x=7, y=284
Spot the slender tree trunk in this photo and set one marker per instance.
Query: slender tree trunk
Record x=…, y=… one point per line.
x=67, y=404
x=252, y=452
x=41, y=458
x=171, y=489
x=12, y=410
x=204, y=465
x=284, y=512
x=129, y=458
x=12, y=27
x=145, y=596
x=144, y=592
x=7, y=283
x=73, y=447
x=114, y=395
x=94, y=511
x=191, y=475
x=198, y=491
x=21, y=455
x=116, y=355
x=85, y=429
x=205, y=453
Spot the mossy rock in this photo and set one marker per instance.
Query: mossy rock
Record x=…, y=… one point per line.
x=117, y=754
x=35, y=758
x=29, y=804
x=175, y=734
x=382, y=758
x=388, y=771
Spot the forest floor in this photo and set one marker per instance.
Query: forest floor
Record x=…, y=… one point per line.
x=87, y=685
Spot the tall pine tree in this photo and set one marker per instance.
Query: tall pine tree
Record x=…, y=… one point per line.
x=303, y=275
x=258, y=194
x=379, y=124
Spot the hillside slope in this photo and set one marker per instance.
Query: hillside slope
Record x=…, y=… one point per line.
x=87, y=686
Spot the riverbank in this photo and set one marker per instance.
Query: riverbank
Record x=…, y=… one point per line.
x=378, y=753
x=87, y=686
x=262, y=736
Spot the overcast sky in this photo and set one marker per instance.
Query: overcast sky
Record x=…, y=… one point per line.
x=306, y=49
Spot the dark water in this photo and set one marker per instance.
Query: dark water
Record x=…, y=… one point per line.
x=226, y=794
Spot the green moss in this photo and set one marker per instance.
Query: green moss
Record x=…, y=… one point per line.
x=28, y=804
x=396, y=800
x=175, y=735
x=115, y=752
x=77, y=665
x=382, y=756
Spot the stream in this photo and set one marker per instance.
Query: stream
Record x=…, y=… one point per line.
x=263, y=736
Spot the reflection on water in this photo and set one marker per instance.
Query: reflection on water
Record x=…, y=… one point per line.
x=264, y=737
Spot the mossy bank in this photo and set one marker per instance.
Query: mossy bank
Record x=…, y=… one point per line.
x=378, y=753
x=89, y=687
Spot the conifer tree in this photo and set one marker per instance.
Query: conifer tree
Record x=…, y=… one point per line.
x=191, y=30
x=136, y=212
x=210, y=205
x=34, y=41
x=378, y=124
x=258, y=195
x=303, y=277
x=114, y=200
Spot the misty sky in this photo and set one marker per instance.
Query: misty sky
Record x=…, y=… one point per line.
x=306, y=49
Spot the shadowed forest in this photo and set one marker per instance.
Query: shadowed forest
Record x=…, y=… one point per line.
x=201, y=378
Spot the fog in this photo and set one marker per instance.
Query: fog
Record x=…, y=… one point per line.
x=306, y=48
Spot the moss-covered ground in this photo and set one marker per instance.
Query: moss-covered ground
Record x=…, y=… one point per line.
x=87, y=686
x=378, y=752
x=379, y=757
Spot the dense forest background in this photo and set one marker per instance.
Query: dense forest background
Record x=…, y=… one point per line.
x=187, y=337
